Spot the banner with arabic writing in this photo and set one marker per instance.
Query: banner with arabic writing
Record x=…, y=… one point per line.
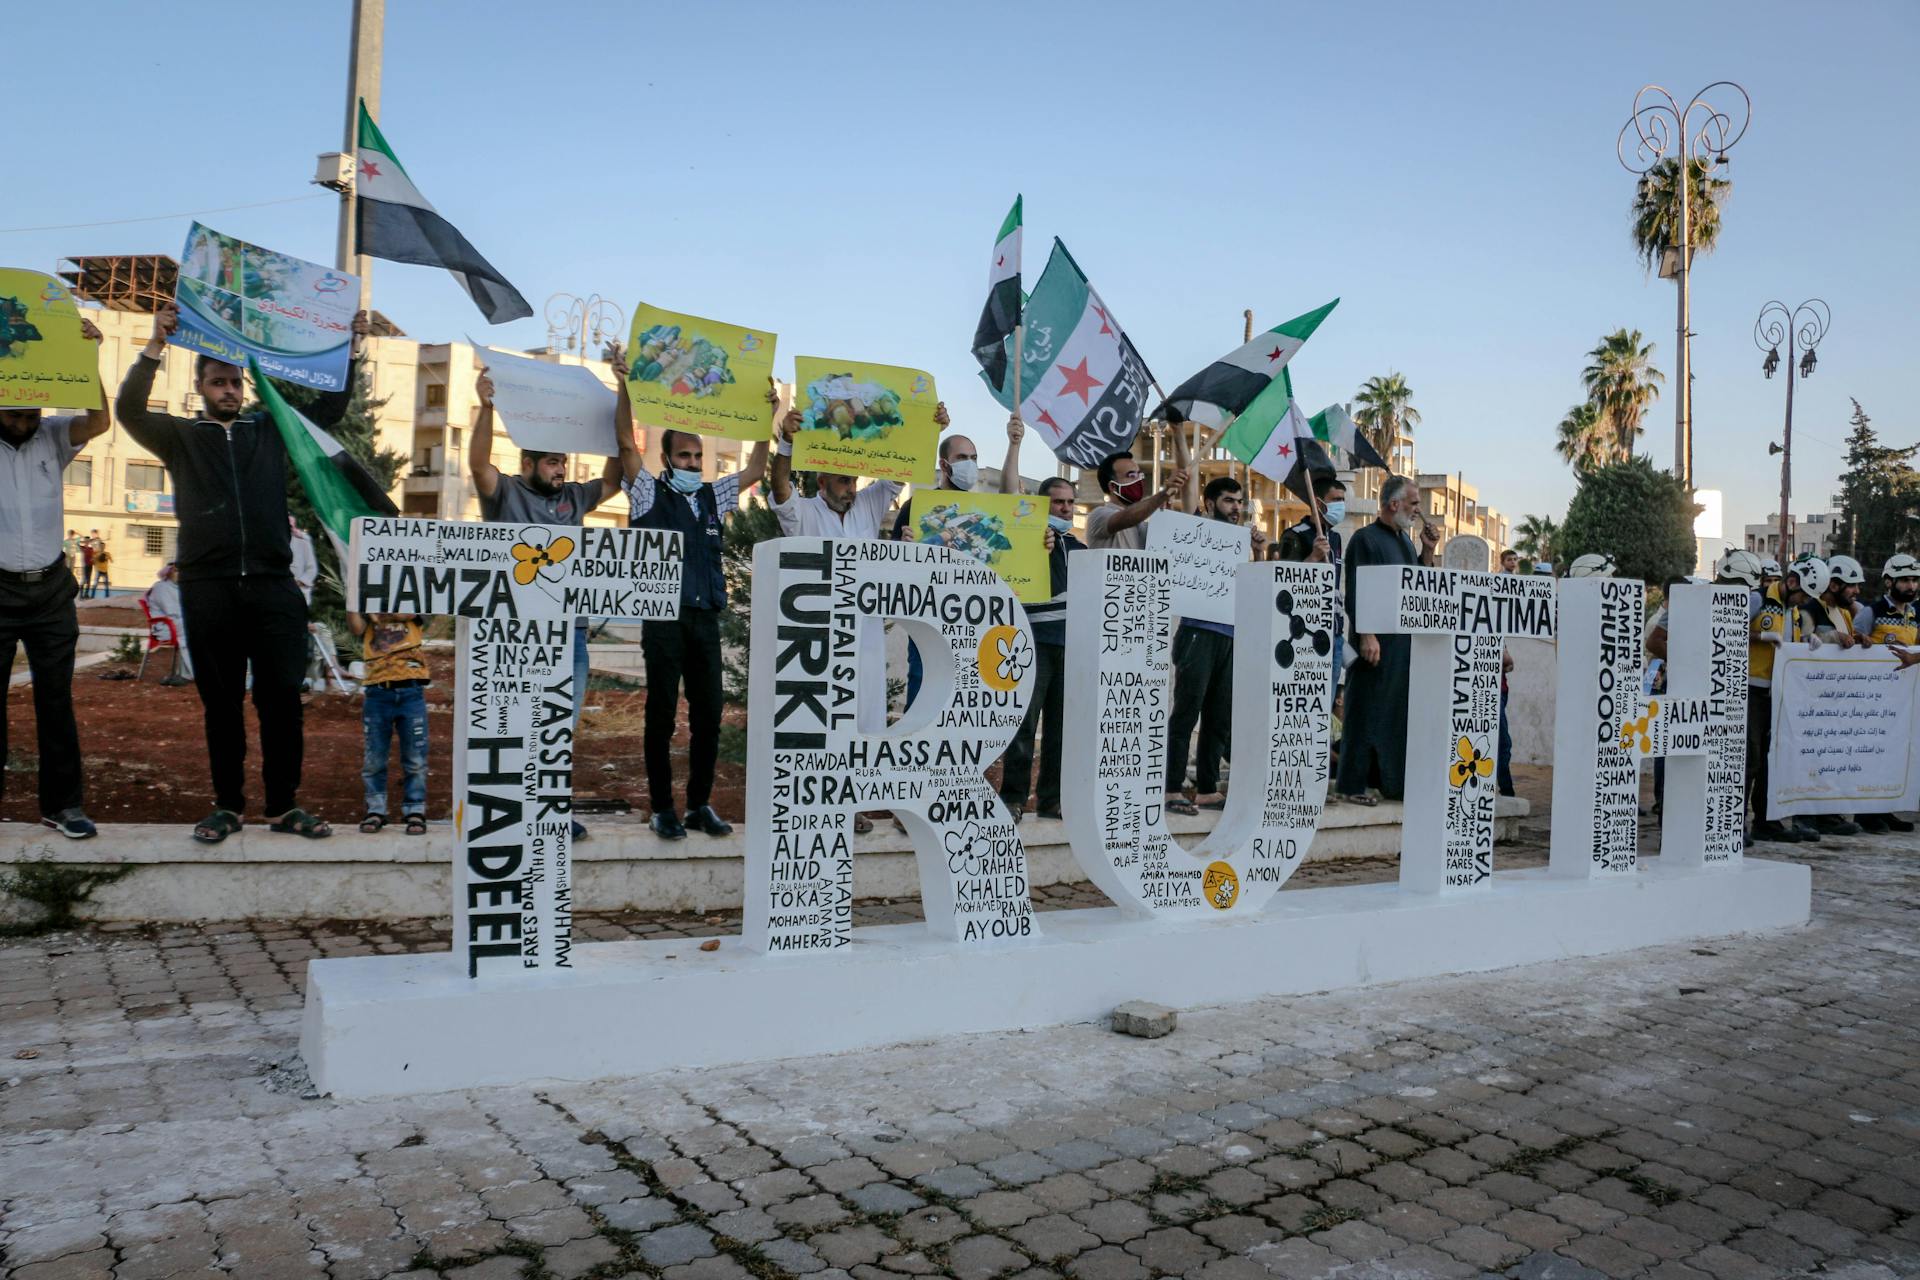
x=44, y=362
x=1204, y=557
x=295, y=318
x=865, y=420
x=688, y=373
x=1007, y=532
x=1846, y=732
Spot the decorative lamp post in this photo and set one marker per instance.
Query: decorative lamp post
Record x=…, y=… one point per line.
x=582, y=325
x=1801, y=329
x=1661, y=129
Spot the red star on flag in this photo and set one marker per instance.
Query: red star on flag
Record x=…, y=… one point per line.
x=1047, y=419
x=1283, y=450
x=369, y=169
x=1275, y=354
x=1105, y=319
x=1079, y=382
x=1000, y=261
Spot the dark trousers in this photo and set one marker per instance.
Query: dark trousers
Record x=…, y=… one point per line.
x=1049, y=702
x=1759, y=747
x=234, y=623
x=687, y=650
x=1503, y=771
x=40, y=615
x=1203, y=695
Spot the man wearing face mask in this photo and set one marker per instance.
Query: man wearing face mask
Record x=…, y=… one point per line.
x=542, y=495
x=1373, y=745
x=1049, y=621
x=686, y=648
x=1121, y=521
x=1303, y=543
x=37, y=591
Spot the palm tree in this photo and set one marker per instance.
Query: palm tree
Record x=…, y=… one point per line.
x=1534, y=537
x=1656, y=208
x=1585, y=442
x=1621, y=383
x=1384, y=412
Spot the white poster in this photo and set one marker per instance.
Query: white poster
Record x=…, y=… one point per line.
x=552, y=408
x=1202, y=555
x=1844, y=726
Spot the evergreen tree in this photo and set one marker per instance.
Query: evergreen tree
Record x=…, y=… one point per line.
x=1641, y=517
x=1879, y=500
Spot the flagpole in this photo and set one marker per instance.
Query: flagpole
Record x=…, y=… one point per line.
x=364, y=54
x=1019, y=340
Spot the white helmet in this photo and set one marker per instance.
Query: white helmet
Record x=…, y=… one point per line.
x=1594, y=565
x=1769, y=568
x=1901, y=565
x=1848, y=570
x=1813, y=573
x=1741, y=566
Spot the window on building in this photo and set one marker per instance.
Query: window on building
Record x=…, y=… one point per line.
x=156, y=406
x=1806, y=548
x=148, y=477
x=436, y=395
x=155, y=540
x=80, y=473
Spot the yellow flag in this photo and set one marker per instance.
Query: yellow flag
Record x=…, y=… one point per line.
x=687, y=373
x=865, y=420
x=44, y=362
x=1007, y=532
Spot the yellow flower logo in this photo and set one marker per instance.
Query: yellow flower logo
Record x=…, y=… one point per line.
x=1220, y=885
x=530, y=558
x=1641, y=729
x=1469, y=762
x=1003, y=658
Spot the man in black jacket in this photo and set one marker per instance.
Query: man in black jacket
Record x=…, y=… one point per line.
x=236, y=578
x=1049, y=621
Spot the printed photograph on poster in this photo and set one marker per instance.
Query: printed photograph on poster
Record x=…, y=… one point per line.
x=1007, y=532
x=238, y=300
x=688, y=373
x=1204, y=555
x=44, y=362
x=1846, y=732
x=552, y=408
x=865, y=420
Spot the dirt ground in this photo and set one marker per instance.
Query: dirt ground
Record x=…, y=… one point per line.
x=146, y=755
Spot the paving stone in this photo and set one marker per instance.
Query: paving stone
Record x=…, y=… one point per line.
x=1481, y=1247
x=640, y=1214
x=1017, y=1168
x=672, y=1245
x=851, y=1245
x=1172, y=1251
x=936, y=1224
x=1108, y=1262
x=1052, y=1237
x=883, y=1197
x=749, y=1226
x=846, y=1173
x=982, y=1256
x=574, y=1259
x=492, y=1269
x=1552, y=1266
x=1116, y=1221
x=958, y=1182
x=793, y=1256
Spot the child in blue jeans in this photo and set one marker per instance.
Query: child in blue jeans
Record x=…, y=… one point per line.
x=395, y=684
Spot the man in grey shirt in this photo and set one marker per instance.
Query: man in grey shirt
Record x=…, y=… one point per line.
x=37, y=592
x=541, y=494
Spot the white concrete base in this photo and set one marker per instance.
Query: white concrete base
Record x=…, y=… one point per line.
x=257, y=875
x=415, y=1024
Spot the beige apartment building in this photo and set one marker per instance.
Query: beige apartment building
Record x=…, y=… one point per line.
x=429, y=406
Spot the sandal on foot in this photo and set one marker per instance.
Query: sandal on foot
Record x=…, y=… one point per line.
x=217, y=826
x=416, y=824
x=1364, y=798
x=299, y=822
x=1184, y=807
x=372, y=823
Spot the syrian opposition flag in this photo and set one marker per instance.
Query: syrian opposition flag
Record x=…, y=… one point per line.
x=1273, y=437
x=1334, y=427
x=339, y=488
x=1082, y=385
x=394, y=221
x=1226, y=387
x=1001, y=316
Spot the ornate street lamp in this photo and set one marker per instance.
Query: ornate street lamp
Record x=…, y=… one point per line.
x=1660, y=128
x=582, y=326
x=1802, y=328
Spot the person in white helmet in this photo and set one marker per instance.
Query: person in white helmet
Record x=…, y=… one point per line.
x=1893, y=620
x=1831, y=606
x=1843, y=595
x=1769, y=574
x=1593, y=565
x=1782, y=618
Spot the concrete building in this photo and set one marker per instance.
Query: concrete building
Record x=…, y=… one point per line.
x=1446, y=499
x=426, y=407
x=1812, y=535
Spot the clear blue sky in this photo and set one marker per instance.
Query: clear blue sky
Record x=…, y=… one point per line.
x=837, y=172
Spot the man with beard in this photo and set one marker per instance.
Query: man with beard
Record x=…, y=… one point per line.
x=1373, y=745
x=1203, y=676
x=242, y=608
x=37, y=592
x=542, y=495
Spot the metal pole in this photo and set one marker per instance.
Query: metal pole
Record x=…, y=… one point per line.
x=1786, y=464
x=364, y=54
x=1682, y=421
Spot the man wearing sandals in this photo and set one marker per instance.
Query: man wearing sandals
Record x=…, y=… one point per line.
x=395, y=683
x=236, y=576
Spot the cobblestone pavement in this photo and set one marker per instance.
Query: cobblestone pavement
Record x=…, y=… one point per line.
x=1739, y=1108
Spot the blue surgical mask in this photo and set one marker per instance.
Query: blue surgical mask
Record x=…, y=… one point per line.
x=964, y=473
x=1059, y=524
x=1336, y=512
x=683, y=481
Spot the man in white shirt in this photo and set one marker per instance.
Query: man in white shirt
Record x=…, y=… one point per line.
x=37, y=591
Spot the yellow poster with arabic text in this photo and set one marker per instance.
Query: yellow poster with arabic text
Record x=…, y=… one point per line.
x=865, y=420
x=44, y=362
x=688, y=373
x=1007, y=532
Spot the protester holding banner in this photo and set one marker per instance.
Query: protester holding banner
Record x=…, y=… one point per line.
x=37, y=591
x=1121, y=521
x=1778, y=617
x=1893, y=620
x=236, y=583
x=1049, y=621
x=1373, y=740
x=685, y=649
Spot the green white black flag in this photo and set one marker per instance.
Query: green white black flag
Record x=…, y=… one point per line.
x=1001, y=316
